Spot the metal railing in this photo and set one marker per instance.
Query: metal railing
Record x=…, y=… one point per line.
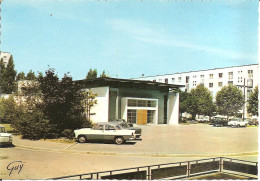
x=173, y=170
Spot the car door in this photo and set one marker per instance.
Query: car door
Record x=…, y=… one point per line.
x=97, y=133
x=110, y=132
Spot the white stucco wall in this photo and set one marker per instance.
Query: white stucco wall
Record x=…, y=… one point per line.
x=173, y=109
x=101, y=108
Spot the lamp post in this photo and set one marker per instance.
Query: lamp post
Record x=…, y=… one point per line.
x=245, y=86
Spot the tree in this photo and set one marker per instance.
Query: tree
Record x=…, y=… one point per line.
x=103, y=74
x=88, y=103
x=192, y=106
x=8, y=110
x=31, y=122
x=30, y=76
x=204, y=100
x=8, y=77
x=253, y=102
x=20, y=76
x=229, y=100
x=92, y=74
x=62, y=101
x=2, y=69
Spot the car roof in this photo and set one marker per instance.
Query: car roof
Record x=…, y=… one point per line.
x=104, y=123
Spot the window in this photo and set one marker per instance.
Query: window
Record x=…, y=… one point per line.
x=250, y=82
x=173, y=80
x=187, y=79
x=230, y=75
x=166, y=81
x=201, y=76
x=250, y=74
x=211, y=76
x=179, y=79
x=141, y=103
x=240, y=72
x=160, y=80
x=240, y=79
x=210, y=84
x=150, y=116
x=220, y=75
x=194, y=83
x=220, y=84
x=109, y=127
x=230, y=82
x=249, y=92
x=131, y=115
x=154, y=80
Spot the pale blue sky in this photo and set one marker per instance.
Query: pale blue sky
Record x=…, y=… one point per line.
x=129, y=38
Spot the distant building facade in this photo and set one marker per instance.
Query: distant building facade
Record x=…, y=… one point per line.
x=213, y=79
x=5, y=56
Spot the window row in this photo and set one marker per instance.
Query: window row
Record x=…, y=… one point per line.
x=141, y=103
x=211, y=76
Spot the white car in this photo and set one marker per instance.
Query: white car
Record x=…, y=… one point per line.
x=105, y=131
x=5, y=138
x=237, y=122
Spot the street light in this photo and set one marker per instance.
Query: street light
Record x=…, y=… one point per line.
x=245, y=86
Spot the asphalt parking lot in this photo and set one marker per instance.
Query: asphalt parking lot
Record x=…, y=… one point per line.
x=200, y=139
x=160, y=144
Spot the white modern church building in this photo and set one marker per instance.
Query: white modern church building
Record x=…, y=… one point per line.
x=213, y=79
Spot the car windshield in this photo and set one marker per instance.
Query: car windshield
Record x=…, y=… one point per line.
x=2, y=130
x=124, y=125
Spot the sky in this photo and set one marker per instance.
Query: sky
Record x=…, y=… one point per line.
x=128, y=38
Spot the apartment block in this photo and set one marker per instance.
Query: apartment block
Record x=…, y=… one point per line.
x=5, y=56
x=213, y=79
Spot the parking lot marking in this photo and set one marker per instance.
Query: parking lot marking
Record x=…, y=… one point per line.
x=70, y=145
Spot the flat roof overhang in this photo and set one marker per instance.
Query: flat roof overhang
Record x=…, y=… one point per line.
x=126, y=83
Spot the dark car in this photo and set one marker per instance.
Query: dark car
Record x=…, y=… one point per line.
x=219, y=122
x=125, y=125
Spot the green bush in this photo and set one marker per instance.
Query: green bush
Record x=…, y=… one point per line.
x=69, y=133
x=32, y=125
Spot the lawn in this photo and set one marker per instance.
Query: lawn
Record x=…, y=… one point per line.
x=8, y=127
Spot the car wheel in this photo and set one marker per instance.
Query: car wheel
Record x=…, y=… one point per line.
x=82, y=139
x=238, y=125
x=119, y=140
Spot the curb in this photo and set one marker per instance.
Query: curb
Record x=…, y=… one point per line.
x=135, y=154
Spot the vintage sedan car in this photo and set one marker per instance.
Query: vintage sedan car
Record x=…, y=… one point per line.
x=237, y=122
x=252, y=121
x=5, y=138
x=219, y=122
x=104, y=131
x=125, y=125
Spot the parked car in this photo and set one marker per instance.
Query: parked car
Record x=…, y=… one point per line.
x=5, y=138
x=203, y=120
x=237, y=122
x=125, y=125
x=253, y=121
x=104, y=131
x=219, y=122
